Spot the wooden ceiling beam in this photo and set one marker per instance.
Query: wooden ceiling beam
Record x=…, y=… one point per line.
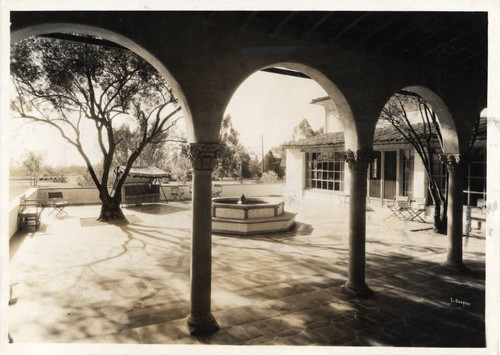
x=461, y=35
x=317, y=24
x=464, y=48
x=406, y=32
x=351, y=25
x=426, y=39
x=283, y=22
x=247, y=20
x=377, y=30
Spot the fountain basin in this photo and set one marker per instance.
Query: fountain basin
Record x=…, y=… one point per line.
x=256, y=215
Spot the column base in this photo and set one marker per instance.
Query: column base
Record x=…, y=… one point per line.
x=202, y=326
x=457, y=266
x=357, y=290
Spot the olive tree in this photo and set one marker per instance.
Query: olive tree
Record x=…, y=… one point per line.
x=77, y=87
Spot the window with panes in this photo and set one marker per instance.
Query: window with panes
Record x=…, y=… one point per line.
x=325, y=170
x=375, y=175
x=407, y=164
x=475, y=181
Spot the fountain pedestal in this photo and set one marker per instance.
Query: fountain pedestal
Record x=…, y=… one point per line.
x=232, y=215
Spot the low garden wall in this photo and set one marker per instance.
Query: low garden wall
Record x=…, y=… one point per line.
x=90, y=195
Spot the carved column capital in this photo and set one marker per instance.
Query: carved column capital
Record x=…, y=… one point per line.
x=452, y=161
x=204, y=156
x=359, y=159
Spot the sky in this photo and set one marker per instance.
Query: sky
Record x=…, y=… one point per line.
x=272, y=105
x=266, y=104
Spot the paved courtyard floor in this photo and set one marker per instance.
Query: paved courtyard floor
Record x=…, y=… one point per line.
x=80, y=281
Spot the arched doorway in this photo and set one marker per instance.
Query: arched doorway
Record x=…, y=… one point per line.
x=418, y=159
x=337, y=177
x=115, y=38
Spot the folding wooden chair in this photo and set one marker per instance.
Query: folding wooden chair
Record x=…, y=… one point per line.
x=417, y=211
x=57, y=202
x=216, y=190
x=399, y=206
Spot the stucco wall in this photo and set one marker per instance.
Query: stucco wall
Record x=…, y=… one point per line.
x=295, y=173
x=419, y=178
x=73, y=195
x=347, y=179
x=332, y=122
x=90, y=195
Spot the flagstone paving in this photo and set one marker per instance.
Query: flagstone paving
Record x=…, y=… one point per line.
x=93, y=283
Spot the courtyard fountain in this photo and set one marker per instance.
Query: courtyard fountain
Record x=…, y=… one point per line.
x=249, y=215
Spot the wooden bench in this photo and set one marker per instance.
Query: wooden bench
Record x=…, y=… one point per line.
x=141, y=193
x=29, y=213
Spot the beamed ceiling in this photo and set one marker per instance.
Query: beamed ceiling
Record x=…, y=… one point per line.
x=448, y=40
x=454, y=41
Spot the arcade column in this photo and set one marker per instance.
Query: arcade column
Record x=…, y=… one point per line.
x=204, y=159
x=358, y=166
x=455, y=166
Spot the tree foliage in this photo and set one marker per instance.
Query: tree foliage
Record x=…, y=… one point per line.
x=179, y=164
x=304, y=130
x=269, y=177
x=235, y=161
x=274, y=163
x=33, y=165
x=76, y=87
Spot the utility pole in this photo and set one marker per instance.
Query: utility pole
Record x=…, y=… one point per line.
x=262, y=142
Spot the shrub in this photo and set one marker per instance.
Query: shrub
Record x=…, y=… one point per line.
x=269, y=177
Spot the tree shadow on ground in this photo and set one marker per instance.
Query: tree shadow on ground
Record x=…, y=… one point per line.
x=290, y=297
x=422, y=313
x=157, y=208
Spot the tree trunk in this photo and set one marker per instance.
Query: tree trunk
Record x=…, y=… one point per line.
x=440, y=220
x=110, y=209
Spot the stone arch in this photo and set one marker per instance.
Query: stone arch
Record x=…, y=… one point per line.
x=345, y=112
x=66, y=27
x=445, y=120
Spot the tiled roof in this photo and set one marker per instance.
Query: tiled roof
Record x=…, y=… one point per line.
x=386, y=134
